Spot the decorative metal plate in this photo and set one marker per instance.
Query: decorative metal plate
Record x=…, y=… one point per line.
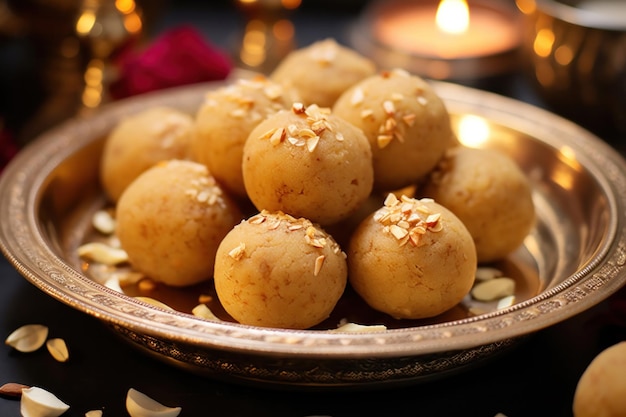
x=573, y=259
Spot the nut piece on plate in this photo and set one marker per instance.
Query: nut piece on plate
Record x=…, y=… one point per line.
x=601, y=388
x=141, y=140
x=322, y=71
x=308, y=163
x=225, y=119
x=489, y=193
x=405, y=121
x=274, y=270
x=171, y=219
x=412, y=259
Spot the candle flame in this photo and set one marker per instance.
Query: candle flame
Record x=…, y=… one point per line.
x=453, y=16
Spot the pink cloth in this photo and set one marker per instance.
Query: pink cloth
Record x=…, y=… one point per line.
x=177, y=57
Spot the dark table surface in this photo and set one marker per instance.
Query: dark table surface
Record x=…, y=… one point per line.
x=537, y=377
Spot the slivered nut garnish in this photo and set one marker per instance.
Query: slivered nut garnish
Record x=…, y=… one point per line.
x=58, y=349
x=102, y=253
x=139, y=404
x=493, y=289
x=12, y=389
x=407, y=219
x=28, y=338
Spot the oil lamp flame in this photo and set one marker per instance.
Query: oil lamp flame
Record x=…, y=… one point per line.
x=453, y=16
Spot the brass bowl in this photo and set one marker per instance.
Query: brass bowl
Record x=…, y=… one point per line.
x=574, y=258
x=576, y=59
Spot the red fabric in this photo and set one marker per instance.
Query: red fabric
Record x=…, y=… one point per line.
x=8, y=148
x=179, y=56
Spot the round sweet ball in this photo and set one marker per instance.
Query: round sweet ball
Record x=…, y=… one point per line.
x=601, y=387
x=491, y=195
x=141, y=140
x=170, y=221
x=308, y=163
x=275, y=270
x=225, y=119
x=322, y=71
x=412, y=259
x=406, y=122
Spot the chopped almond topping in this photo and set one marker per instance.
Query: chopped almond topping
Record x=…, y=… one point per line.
x=319, y=261
x=389, y=107
x=313, y=236
x=407, y=219
x=238, y=251
x=357, y=97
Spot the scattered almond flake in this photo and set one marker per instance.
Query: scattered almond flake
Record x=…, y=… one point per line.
x=391, y=200
x=306, y=133
x=397, y=96
x=127, y=278
x=400, y=72
x=296, y=141
x=268, y=134
x=103, y=222
x=409, y=119
x=37, y=402
x=359, y=328
x=172, y=127
x=154, y=302
x=319, y=262
x=493, y=289
x=389, y=107
x=357, y=96
x=390, y=124
x=203, y=196
x=365, y=113
x=257, y=219
x=99, y=252
x=484, y=273
x=205, y=298
x=273, y=91
x=339, y=136
x=58, y=349
x=422, y=100
x=93, y=413
x=477, y=311
x=292, y=130
x=505, y=302
x=383, y=140
x=139, y=404
x=28, y=338
x=311, y=143
x=298, y=108
x=113, y=283
x=238, y=252
x=12, y=389
x=204, y=312
x=146, y=284
x=433, y=218
x=238, y=113
x=324, y=52
x=278, y=136
x=398, y=232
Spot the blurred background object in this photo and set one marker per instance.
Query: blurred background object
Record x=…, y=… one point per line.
x=575, y=55
x=268, y=34
x=470, y=42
